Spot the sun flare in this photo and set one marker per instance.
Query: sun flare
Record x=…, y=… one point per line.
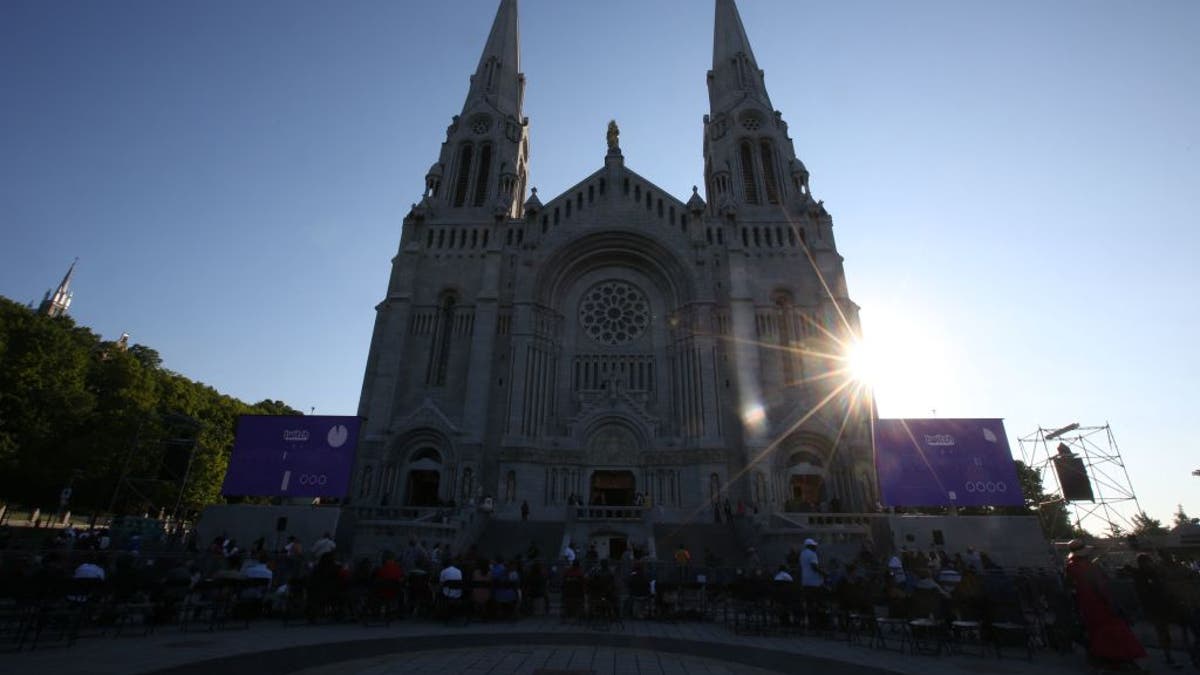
x=862, y=362
x=906, y=364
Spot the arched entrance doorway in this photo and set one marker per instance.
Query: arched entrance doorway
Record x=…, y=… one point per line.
x=612, y=488
x=806, y=481
x=424, y=478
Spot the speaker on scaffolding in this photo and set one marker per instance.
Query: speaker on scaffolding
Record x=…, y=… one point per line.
x=1072, y=476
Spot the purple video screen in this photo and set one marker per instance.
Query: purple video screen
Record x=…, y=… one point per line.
x=292, y=456
x=945, y=462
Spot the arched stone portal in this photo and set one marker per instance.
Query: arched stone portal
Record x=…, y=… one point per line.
x=424, y=478
x=612, y=488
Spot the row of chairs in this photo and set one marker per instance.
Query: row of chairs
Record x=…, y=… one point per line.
x=925, y=626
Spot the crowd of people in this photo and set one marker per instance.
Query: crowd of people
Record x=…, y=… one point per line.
x=1083, y=602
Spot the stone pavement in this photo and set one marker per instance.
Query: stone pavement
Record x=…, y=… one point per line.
x=530, y=646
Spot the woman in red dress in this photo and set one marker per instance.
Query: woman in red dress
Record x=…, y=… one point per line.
x=1110, y=641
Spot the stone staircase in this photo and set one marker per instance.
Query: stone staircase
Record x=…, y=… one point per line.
x=509, y=538
x=720, y=538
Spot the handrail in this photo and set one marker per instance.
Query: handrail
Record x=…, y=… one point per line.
x=598, y=512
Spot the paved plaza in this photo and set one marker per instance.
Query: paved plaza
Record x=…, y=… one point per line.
x=530, y=646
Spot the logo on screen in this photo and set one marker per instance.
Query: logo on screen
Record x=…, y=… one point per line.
x=989, y=487
x=989, y=436
x=295, y=435
x=337, y=436
x=939, y=439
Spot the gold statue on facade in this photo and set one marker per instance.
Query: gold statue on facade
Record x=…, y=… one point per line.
x=614, y=135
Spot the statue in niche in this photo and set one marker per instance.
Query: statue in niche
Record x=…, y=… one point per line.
x=614, y=136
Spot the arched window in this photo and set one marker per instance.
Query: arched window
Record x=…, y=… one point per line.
x=749, y=186
x=481, y=181
x=510, y=487
x=788, y=353
x=464, y=175
x=442, y=336
x=769, y=173
x=365, y=487
x=468, y=484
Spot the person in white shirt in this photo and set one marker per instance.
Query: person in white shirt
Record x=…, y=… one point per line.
x=569, y=554
x=89, y=570
x=811, y=574
x=323, y=545
x=782, y=575
x=258, y=569
x=974, y=561
x=896, y=568
x=451, y=573
x=812, y=582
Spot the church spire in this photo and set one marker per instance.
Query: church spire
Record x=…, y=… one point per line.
x=56, y=303
x=735, y=74
x=498, y=79
x=750, y=162
x=483, y=164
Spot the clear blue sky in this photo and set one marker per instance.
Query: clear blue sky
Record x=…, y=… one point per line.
x=1013, y=184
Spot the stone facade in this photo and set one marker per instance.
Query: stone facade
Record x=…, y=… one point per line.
x=614, y=343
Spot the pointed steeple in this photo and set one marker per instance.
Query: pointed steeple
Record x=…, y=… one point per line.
x=498, y=77
x=56, y=302
x=750, y=162
x=484, y=161
x=735, y=72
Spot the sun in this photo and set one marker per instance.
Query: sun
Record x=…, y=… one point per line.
x=862, y=362
x=906, y=362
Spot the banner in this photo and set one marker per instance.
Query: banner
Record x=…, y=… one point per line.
x=945, y=462
x=292, y=456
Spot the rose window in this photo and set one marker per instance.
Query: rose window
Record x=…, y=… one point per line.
x=481, y=124
x=614, y=312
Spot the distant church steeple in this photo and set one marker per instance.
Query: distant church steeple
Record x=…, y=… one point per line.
x=484, y=160
x=750, y=163
x=56, y=302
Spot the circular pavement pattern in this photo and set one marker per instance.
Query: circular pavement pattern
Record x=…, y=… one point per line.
x=535, y=660
x=521, y=654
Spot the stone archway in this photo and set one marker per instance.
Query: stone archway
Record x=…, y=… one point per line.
x=423, y=484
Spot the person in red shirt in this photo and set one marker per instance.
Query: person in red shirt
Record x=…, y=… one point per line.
x=390, y=570
x=392, y=573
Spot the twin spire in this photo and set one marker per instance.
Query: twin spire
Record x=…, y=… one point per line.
x=498, y=77
x=734, y=73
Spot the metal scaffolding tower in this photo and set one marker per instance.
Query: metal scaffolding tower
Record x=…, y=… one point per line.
x=1111, y=510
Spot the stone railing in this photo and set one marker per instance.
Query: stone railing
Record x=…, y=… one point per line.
x=836, y=522
x=596, y=512
x=428, y=514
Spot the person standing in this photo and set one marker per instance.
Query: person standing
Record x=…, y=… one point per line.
x=323, y=545
x=812, y=582
x=1110, y=641
x=1157, y=604
x=525, y=510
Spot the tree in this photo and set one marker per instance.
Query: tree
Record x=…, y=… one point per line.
x=1144, y=525
x=1051, y=510
x=77, y=409
x=1181, y=517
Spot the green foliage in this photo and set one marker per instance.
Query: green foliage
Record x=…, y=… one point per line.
x=1144, y=525
x=1051, y=511
x=75, y=409
x=1181, y=517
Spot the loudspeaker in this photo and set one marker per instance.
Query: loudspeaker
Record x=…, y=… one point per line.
x=1072, y=476
x=281, y=524
x=175, y=459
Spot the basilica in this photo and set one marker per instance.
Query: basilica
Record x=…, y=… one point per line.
x=616, y=353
